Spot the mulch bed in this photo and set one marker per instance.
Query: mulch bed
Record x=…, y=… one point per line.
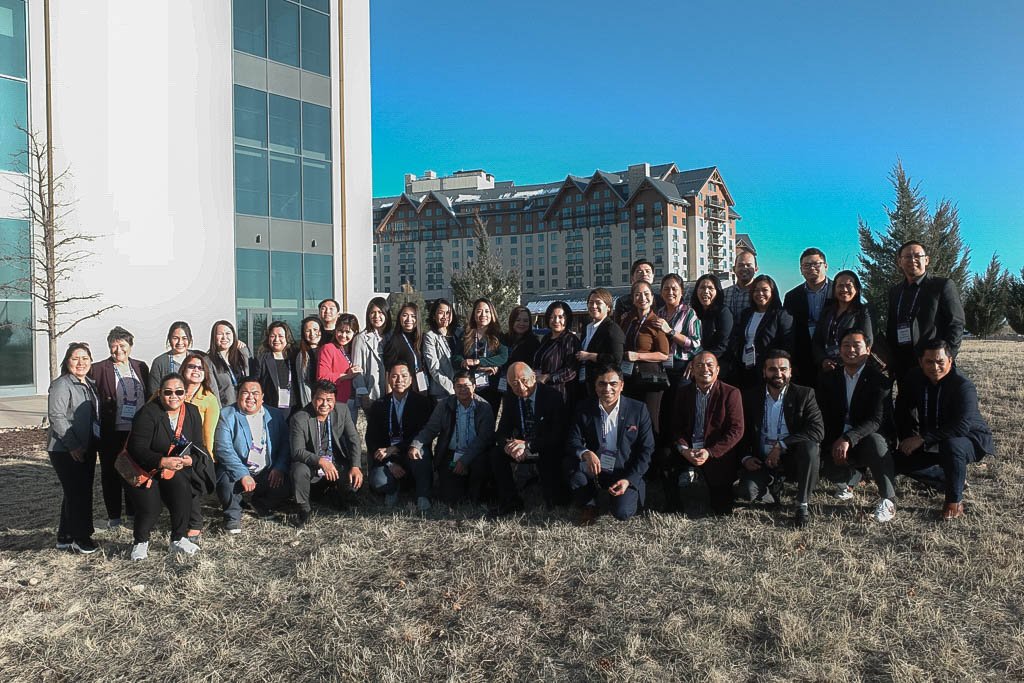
x=22, y=442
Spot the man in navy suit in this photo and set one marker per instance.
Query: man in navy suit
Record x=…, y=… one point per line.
x=251, y=448
x=610, y=447
x=805, y=303
x=938, y=422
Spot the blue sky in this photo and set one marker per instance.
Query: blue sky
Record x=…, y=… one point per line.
x=803, y=106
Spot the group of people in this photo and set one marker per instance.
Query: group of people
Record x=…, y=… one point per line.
x=726, y=396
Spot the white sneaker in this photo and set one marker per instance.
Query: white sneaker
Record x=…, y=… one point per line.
x=234, y=530
x=140, y=551
x=843, y=492
x=183, y=545
x=423, y=503
x=885, y=511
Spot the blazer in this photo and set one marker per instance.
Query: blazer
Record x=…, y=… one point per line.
x=72, y=410
x=723, y=419
x=152, y=436
x=549, y=420
x=368, y=354
x=795, y=303
x=303, y=436
x=265, y=368
x=635, y=440
x=608, y=343
x=437, y=355
x=957, y=410
x=414, y=418
x=226, y=391
x=830, y=330
x=775, y=331
x=870, y=408
x=441, y=426
x=305, y=373
x=102, y=373
x=716, y=330
x=799, y=409
x=233, y=440
x=331, y=365
x=937, y=313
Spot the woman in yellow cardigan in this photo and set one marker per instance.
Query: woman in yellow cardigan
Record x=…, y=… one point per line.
x=199, y=392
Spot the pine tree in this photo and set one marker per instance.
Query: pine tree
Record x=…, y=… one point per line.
x=985, y=300
x=1015, y=302
x=485, y=276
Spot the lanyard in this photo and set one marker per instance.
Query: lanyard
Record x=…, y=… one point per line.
x=782, y=415
x=605, y=418
x=938, y=396
x=913, y=303
x=415, y=360
x=480, y=347
x=320, y=433
x=121, y=385
x=345, y=353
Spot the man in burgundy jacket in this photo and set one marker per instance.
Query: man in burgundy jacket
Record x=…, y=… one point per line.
x=706, y=427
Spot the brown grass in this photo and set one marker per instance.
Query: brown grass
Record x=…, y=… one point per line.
x=375, y=595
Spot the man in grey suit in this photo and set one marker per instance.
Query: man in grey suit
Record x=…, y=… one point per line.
x=325, y=449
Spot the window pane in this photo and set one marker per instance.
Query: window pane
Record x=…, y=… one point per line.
x=316, y=131
x=284, y=124
x=317, y=278
x=285, y=182
x=14, y=241
x=13, y=113
x=250, y=117
x=15, y=343
x=283, y=18
x=286, y=279
x=316, y=42
x=250, y=23
x=251, y=282
x=322, y=5
x=12, y=38
x=250, y=181
x=316, y=191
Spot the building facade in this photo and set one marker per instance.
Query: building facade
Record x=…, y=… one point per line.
x=572, y=234
x=219, y=155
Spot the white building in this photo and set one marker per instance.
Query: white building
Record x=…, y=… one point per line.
x=221, y=151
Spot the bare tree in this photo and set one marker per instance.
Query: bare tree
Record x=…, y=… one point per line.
x=54, y=252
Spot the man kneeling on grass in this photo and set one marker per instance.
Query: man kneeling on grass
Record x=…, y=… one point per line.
x=251, y=446
x=325, y=450
x=610, y=448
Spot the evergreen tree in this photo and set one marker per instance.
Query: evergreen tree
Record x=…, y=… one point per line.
x=1015, y=302
x=485, y=276
x=985, y=300
x=909, y=220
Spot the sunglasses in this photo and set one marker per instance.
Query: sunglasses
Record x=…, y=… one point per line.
x=173, y=392
x=194, y=367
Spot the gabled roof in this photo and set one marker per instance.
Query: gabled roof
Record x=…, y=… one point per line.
x=613, y=181
x=666, y=189
x=402, y=198
x=734, y=216
x=661, y=171
x=743, y=240
x=442, y=199
x=693, y=181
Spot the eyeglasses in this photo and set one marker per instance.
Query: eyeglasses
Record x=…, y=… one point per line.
x=812, y=265
x=173, y=392
x=914, y=257
x=195, y=368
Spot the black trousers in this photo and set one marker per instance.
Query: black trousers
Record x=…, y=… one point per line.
x=306, y=490
x=75, y=478
x=175, y=493
x=872, y=452
x=554, y=486
x=457, y=488
x=800, y=462
x=115, y=488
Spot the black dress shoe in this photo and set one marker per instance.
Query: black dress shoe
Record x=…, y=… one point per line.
x=802, y=516
x=302, y=518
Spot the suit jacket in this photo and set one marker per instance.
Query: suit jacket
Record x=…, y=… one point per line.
x=938, y=313
x=152, y=436
x=72, y=413
x=441, y=426
x=548, y=419
x=414, y=417
x=635, y=437
x=795, y=303
x=870, y=408
x=303, y=435
x=799, y=409
x=437, y=354
x=102, y=372
x=957, y=411
x=233, y=440
x=266, y=369
x=716, y=330
x=608, y=343
x=369, y=355
x=775, y=331
x=723, y=418
x=226, y=390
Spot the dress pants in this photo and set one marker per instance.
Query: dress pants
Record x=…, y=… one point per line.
x=873, y=453
x=115, y=488
x=76, y=507
x=420, y=471
x=175, y=493
x=586, y=487
x=456, y=488
x=800, y=461
x=717, y=475
x=305, y=489
x=264, y=495
x=549, y=468
x=953, y=457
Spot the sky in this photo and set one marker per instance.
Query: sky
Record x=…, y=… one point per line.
x=804, y=107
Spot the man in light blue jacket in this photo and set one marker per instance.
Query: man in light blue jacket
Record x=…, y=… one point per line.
x=251, y=449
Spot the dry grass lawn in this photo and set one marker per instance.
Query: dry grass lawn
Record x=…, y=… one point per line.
x=375, y=595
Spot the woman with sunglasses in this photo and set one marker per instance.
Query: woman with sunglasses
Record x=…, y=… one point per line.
x=179, y=341
x=368, y=353
x=306, y=358
x=230, y=361
x=200, y=393
x=274, y=368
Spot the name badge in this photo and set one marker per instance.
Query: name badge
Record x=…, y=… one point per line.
x=421, y=380
x=832, y=351
x=608, y=459
x=503, y=384
x=583, y=373
x=627, y=368
x=811, y=327
x=128, y=410
x=396, y=440
x=320, y=472
x=903, y=334
x=481, y=380
x=284, y=398
x=749, y=356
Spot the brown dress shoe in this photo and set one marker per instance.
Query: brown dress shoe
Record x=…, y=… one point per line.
x=588, y=515
x=952, y=511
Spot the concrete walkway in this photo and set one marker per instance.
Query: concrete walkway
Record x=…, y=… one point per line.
x=22, y=411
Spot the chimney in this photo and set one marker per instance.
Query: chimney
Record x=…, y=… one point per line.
x=429, y=175
x=636, y=174
x=409, y=178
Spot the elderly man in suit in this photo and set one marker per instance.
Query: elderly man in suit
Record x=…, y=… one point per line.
x=610, y=447
x=325, y=449
x=532, y=430
x=782, y=436
x=463, y=425
x=856, y=403
x=938, y=422
x=706, y=427
x=252, y=455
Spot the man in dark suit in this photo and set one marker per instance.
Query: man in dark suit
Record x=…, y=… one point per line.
x=392, y=424
x=782, y=436
x=463, y=425
x=805, y=303
x=325, y=449
x=706, y=427
x=921, y=308
x=610, y=447
x=532, y=430
x=938, y=422
x=855, y=401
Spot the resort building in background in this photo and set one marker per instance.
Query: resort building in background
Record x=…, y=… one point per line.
x=219, y=152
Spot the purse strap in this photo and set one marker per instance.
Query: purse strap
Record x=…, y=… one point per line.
x=179, y=427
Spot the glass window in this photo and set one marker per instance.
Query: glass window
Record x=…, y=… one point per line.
x=316, y=191
x=251, y=283
x=250, y=26
x=322, y=5
x=284, y=124
x=285, y=184
x=13, y=113
x=12, y=39
x=316, y=131
x=250, y=181
x=316, y=42
x=15, y=342
x=250, y=117
x=317, y=278
x=283, y=32
x=285, y=279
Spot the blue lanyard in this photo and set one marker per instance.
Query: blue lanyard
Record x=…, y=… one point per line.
x=782, y=415
x=121, y=383
x=415, y=360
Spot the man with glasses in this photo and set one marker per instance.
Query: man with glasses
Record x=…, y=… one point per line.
x=251, y=448
x=737, y=296
x=922, y=307
x=805, y=303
